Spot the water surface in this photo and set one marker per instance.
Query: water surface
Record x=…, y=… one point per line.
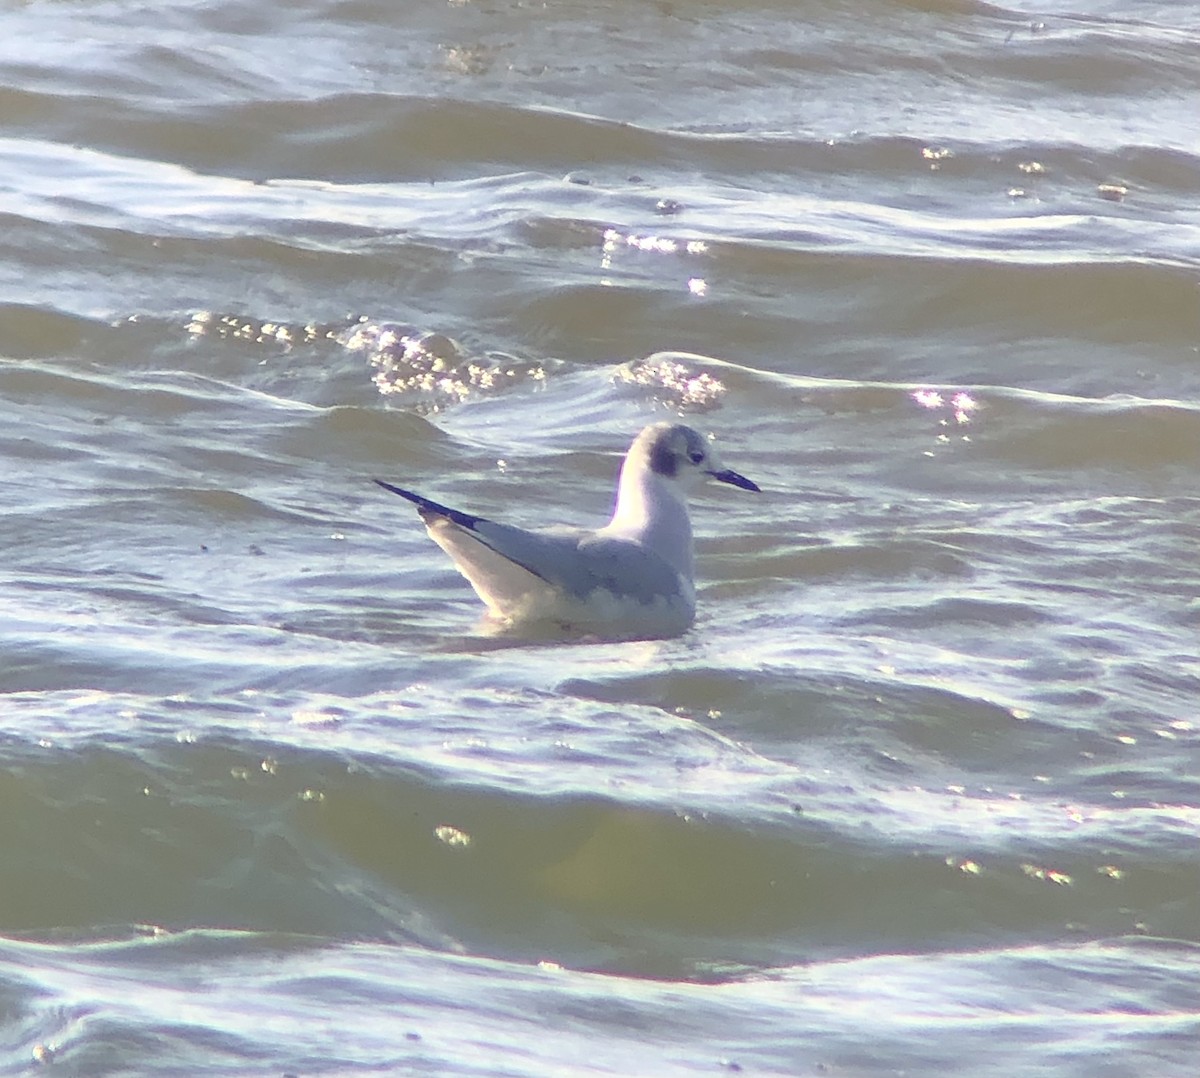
x=918, y=792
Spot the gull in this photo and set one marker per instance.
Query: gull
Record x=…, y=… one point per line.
x=631, y=578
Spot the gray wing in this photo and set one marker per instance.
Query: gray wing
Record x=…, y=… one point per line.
x=580, y=564
x=496, y=557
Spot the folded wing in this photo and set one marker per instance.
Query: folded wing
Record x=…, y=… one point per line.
x=510, y=568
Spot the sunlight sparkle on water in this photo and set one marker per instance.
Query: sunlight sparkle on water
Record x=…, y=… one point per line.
x=961, y=404
x=969, y=867
x=686, y=388
x=614, y=240
x=452, y=836
x=1049, y=875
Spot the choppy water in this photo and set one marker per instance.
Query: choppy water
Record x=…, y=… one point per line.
x=918, y=794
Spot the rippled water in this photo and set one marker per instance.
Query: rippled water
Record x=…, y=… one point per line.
x=918, y=793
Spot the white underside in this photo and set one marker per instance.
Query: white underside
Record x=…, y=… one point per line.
x=601, y=611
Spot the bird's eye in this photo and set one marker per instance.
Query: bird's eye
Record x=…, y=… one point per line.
x=695, y=456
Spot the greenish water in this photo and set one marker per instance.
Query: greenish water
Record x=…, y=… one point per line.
x=918, y=792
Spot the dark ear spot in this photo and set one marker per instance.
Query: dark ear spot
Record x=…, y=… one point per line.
x=662, y=460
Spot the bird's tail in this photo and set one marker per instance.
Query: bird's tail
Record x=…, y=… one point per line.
x=428, y=508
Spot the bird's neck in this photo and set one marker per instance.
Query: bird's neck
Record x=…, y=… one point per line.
x=654, y=513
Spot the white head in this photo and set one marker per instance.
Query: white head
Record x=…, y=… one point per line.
x=677, y=453
x=665, y=462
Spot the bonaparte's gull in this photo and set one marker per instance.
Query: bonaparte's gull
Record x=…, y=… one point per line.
x=633, y=576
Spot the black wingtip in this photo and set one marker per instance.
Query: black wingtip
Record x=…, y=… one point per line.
x=426, y=507
x=416, y=499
